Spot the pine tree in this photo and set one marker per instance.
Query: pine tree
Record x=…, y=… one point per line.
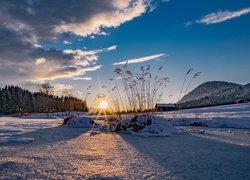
x=14, y=99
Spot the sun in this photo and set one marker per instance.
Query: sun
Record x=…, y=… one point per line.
x=103, y=105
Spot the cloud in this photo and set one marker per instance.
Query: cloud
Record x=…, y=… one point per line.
x=40, y=60
x=84, y=58
x=187, y=24
x=27, y=25
x=221, y=16
x=43, y=21
x=79, y=94
x=107, y=15
x=139, y=60
x=61, y=72
x=84, y=78
x=152, y=7
x=37, y=45
x=111, y=48
x=60, y=87
x=119, y=77
x=19, y=57
x=66, y=42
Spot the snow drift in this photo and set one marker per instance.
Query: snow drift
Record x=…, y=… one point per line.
x=145, y=125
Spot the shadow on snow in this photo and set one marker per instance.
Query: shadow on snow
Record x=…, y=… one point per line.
x=187, y=156
x=50, y=135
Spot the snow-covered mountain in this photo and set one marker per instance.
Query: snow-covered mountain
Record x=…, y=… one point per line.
x=215, y=93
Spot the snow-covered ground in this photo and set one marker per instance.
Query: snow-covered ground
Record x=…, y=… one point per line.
x=48, y=150
x=13, y=128
x=228, y=116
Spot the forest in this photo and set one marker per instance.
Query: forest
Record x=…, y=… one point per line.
x=15, y=100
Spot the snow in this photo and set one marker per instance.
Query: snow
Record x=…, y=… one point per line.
x=12, y=128
x=215, y=93
x=208, y=89
x=46, y=149
x=76, y=121
x=227, y=116
x=145, y=125
x=42, y=116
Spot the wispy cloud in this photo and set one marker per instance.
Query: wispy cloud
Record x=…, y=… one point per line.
x=221, y=16
x=61, y=72
x=139, y=60
x=152, y=7
x=85, y=58
x=60, y=87
x=40, y=60
x=66, y=42
x=110, y=48
x=93, y=68
x=83, y=78
x=187, y=24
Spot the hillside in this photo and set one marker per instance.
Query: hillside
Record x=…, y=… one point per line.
x=215, y=93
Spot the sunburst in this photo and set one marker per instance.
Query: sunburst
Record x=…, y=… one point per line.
x=103, y=104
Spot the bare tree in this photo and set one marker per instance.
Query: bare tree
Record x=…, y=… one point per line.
x=46, y=88
x=67, y=94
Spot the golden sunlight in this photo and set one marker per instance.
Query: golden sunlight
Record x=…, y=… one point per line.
x=103, y=105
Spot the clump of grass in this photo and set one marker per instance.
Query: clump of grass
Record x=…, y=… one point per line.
x=142, y=91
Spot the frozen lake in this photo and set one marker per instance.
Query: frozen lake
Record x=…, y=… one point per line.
x=72, y=153
x=41, y=148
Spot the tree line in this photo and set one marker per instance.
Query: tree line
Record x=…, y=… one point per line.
x=14, y=99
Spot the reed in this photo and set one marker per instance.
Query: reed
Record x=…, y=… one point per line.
x=193, y=77
x=142, y=91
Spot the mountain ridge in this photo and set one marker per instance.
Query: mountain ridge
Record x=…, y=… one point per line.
x=214, y=93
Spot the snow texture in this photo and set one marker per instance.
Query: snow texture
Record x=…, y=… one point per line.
x=227, y=116
x=60, y=152
x=12, y=128
x=146, y=126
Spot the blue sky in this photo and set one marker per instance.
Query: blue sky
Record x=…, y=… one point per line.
x=77, y=44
